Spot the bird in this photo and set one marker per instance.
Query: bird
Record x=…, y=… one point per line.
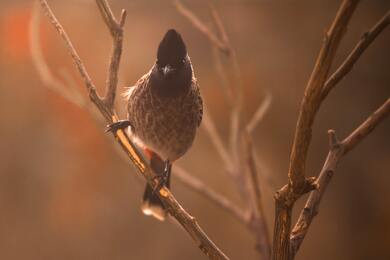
x=164, y=111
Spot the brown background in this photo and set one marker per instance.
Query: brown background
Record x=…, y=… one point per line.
x=66, y=194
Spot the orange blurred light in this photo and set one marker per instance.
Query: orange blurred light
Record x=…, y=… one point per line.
x=15, y=28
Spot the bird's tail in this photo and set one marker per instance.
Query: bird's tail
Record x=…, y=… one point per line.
x=151, y=203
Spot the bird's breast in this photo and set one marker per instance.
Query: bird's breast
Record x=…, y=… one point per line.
x=165, y=125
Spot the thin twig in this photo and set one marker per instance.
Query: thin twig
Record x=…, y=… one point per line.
x=364, y=129
x=70, y=94
x=69, y=46
x=221, y=29
x=259, y=223
x=200, y=26
x=298, y=184
x=365, y=41
x=224, y=81
x=219, y=200
x=116, y=30
x=336, y=151
x=259, y=113
x=175, y=209
x=210, y=128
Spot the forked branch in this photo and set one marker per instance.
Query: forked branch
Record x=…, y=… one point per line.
x=337, y=149
x=116, y=30
x=365, y=41
x=286, y=243
x=298, y=184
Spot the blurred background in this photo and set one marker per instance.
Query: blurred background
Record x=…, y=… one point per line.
x=65, y=193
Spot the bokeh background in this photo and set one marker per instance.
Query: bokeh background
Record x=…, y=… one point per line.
x=65, y=193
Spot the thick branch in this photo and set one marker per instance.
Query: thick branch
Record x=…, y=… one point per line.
x=312, y=96
x=336, y=151
x=298, y=184
x=175, y=209
x=355, y=54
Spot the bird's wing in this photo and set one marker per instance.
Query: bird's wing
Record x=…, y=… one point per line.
x=200, y=105
x=129, y=90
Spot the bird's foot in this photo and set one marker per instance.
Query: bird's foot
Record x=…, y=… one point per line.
x=121, y=124
x=162, y=178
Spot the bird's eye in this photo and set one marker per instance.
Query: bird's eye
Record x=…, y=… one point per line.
x=183, y=61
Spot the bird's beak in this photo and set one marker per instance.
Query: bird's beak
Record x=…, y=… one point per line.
x=167, y=70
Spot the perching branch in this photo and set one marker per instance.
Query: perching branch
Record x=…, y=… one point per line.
x=174, y=208
x=337, y=150
x=75, y=97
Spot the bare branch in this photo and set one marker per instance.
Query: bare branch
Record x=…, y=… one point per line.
x=175, y=209
x=259, y=223
x=364, y=129
x=200, y=26
x=311, y=101
x=259, y=113
x=69, y=46
x=215, y=138
x=224, y=81
x=355, y=54
x=218, y=22
x=116, y=30
x=298, y=184
x=336, y=151
x=221, y=201
x=70, y=94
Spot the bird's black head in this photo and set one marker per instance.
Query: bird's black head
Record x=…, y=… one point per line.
x=172, y=52
x=172, y=73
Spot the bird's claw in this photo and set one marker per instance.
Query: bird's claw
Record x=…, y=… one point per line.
x=121, y=124
x=162, y=178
